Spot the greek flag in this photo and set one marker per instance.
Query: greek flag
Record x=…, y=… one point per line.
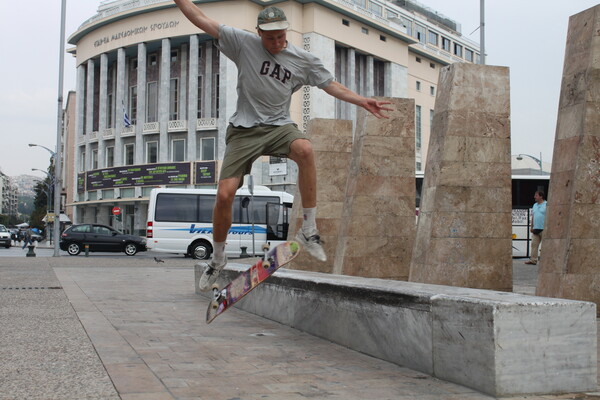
x=126, y=119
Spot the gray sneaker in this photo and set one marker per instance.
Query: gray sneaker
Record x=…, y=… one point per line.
x=210, y=275
x=313, y=244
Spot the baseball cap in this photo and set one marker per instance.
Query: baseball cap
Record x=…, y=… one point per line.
x=272, y=19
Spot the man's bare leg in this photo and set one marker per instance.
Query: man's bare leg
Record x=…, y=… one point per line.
x=302, y=153
x=222, y=217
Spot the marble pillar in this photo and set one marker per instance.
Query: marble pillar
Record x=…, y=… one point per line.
x=377, y=228
x=464, y=227
x=569, y=265
x=332, y=144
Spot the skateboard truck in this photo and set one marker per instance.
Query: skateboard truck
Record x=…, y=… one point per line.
x=266, y=263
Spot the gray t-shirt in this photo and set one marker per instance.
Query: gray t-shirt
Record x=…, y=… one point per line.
x=266, y=81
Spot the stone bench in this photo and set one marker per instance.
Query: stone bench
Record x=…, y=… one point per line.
x=502, y=344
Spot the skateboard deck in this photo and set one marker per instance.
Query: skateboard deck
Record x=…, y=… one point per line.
x=245, y=282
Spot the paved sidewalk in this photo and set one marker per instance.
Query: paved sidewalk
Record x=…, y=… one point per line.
x=123, y=328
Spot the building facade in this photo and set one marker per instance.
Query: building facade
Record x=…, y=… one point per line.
x=8, y=196
x=154, y=94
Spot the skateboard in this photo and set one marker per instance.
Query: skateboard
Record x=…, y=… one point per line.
x=245, y=282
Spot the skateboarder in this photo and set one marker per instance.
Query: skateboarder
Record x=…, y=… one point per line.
x=270, y=69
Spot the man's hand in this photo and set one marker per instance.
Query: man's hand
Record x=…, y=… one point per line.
x=376, y=107
x=373, y=106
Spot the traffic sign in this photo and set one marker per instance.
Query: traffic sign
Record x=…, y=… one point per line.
x=116, y=211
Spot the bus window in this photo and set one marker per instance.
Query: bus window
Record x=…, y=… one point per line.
x=174, y=207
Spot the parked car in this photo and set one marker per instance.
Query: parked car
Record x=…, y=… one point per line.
x=4, y=237
x=99, y=238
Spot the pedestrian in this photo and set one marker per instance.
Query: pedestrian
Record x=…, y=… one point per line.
x=26, y=238
x=538, y=218
x=270, y=70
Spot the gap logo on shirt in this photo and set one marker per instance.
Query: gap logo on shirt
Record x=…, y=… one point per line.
x=276, y=71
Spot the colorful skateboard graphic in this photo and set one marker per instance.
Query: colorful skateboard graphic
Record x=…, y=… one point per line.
x=224, y=298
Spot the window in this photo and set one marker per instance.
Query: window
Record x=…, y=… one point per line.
x=129, y=153
x=178, y=150
x=199, y=101
x=382, y=38
x=95, y=159
x=345, y=22
x=174, y=55
x=418, y=127
x=420, y=32
x=390, y=14
x=152, y=152
x=133, y=64
x=109, y=115
x=82, y=161
x=446, y=44
x=360, y=3
x=133, y=104
x=152, y=59
x=418, y=59
x=469, y=55
x=432, y=65
x=378, y=78
x=433, y=38
x=174, y=99
x=418, y=86
x=176, y=207
x=110, y=156
x=207, y=148
x=376, y=9
x=458, y=49
x=432, y=90
x=407, y=23
x=152, y=102
x=364, y=30
x=216, y=83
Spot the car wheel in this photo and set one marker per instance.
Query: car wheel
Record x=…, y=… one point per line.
x=73, y=249
x=7, y=246
x=200, y=250
x=130, y=249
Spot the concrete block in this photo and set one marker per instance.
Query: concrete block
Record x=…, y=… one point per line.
x=502, y=344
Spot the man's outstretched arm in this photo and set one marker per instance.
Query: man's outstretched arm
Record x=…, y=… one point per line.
x=198, y=18
x=373, y=106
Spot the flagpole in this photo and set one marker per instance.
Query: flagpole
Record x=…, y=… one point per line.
x=59, y=128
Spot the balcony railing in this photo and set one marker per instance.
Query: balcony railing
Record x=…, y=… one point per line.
x=108, y=133
x=206, y=124
x=128, y=131
x=177, y=125
x=151, y=127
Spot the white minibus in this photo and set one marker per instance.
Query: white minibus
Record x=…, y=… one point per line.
x=180, y=221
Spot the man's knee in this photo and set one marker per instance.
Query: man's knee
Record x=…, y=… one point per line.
x=301, y=149
x=226, y=193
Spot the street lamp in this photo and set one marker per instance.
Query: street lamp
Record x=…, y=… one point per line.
x=55, y=181
x=48, y=191
x=537, y=160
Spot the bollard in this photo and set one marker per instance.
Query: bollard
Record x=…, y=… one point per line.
x=30, y=253
x=87, y=249
x=244, y=254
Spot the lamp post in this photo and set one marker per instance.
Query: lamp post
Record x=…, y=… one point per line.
x=537, y=160
x=55, y=182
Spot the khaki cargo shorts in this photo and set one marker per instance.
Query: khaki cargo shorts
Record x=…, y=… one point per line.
x=246, y=145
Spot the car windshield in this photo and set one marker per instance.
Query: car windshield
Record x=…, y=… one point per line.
x=3, y=228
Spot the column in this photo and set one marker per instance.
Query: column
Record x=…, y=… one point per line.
x=569, y=260
x=141, y=106
x=377, y=226
x=119, y=101
x=163, y=101
x=102, y=108
x=89, y=111
x=465, y=221
x=192, y=114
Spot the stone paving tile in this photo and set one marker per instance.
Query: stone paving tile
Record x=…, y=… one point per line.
x=160, y=320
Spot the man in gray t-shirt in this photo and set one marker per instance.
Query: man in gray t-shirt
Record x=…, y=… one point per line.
x=270, y=70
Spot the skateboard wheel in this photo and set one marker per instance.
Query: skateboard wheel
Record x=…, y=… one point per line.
x=266, y=247
x=266, y=264
x=214, y=305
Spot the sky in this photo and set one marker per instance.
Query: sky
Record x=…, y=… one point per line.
x=526, y=36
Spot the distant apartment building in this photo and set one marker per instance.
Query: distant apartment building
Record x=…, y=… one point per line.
x=143, y=59
x=8, y=196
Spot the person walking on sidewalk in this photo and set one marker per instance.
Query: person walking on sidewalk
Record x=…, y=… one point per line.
x=270, y=70
x=538, y=218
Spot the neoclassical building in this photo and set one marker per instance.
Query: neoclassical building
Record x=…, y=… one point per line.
x=154, y=93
